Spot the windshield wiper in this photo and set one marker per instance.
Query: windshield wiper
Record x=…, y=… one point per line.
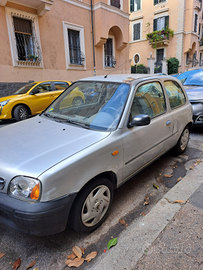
x=87, y=126
x=57, y=119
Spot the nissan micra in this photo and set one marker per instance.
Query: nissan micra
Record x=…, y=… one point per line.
x=61, y=167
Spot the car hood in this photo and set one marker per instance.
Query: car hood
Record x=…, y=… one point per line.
x=32, y=146
x=194, y=92
x=10, y=97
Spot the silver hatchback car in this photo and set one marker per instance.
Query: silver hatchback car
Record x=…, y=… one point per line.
x=61, y=167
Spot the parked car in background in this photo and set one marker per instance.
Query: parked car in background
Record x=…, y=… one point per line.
x=193, y=83
x=69, y=159
x=33, y=98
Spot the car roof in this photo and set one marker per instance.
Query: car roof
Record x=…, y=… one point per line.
x=123, y=78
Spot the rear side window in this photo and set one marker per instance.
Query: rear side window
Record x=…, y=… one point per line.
x=149, y=100
x=175, y=94
x=61, y=85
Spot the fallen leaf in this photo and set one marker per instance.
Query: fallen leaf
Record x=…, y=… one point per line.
x=71, y=256
x=76, y=262
x=122, y=221
x=155, y=186
x=77, y=251
x=2, y=254
x=68, y=261
x=31, y=264
x=179, y=201
x=91, y=256
x=146, y=200
x=168, y=175
x=112, y=243
x=180, y=178
x=143, y=214
x=17, y=264
x=83, y=250
x=192, y=167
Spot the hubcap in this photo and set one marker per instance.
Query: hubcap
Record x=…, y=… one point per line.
x=23, y=114
x=95, y=205
x=184, y=139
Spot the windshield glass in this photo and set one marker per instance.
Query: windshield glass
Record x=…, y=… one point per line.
x=24, y=89
x=192, y=77
x=99, y=105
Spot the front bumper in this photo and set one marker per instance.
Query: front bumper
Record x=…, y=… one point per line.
x=39, y=218
x=197, y=114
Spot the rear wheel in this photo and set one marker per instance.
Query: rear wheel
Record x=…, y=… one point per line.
x=21, y=113
x=91, y=206
x=182, y=142
x=77, y=101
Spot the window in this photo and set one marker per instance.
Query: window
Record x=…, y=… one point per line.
x=115, y=3
x=109, y=59
x=74, y=46
x=61, y=85
x=44, y=87
x=188, y=60
x=149, y=100
x=158, y=1
x=200, y=59
x=195, y=23
x=161, y=23
x=136, y=31
x=135, y=5
x=175, y=94
x=24, y=38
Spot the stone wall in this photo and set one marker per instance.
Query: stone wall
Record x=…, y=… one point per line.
x=7, y=89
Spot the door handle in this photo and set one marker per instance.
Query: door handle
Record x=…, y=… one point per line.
x=168, y=123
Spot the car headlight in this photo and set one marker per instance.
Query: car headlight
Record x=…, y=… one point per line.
x=3, y=103
x=25, y=188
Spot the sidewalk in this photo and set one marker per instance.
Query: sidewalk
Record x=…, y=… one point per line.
x=169, y=237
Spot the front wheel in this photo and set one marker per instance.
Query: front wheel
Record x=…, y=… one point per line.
x=77, y=101
x=182, y=142
x=91, y=206
x=21, y=113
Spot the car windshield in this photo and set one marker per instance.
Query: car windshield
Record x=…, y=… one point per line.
x=100, y=107
x=24, y=89
x=192, y=77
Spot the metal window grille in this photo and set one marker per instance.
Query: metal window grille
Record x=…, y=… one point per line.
x=76, y=56
x=26, y=42
x=195, y=24
x=115, y=3
x=109, y=59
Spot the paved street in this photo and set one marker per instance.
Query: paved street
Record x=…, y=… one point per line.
x=51, y=252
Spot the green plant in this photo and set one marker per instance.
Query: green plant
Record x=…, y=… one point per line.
x=173, y=64
x=140, y=69
x=159, y=35
x=32, y=57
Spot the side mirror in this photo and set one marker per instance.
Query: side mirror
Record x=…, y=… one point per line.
x=140, y=120
x=35, y=91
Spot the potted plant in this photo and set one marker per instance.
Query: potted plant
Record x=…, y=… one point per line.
x=158, y=36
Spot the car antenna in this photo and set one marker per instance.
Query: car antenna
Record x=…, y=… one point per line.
x=116, y=68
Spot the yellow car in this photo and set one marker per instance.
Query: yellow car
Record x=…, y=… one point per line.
x=34, y=97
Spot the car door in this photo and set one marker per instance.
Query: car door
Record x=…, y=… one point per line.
x=58, y=88
x=43, y=98
x=143, y=144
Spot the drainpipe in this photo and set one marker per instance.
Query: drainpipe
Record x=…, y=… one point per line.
x=93, y=38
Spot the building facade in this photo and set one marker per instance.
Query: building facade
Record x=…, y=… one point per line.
x=61, y=39
x=180, y=26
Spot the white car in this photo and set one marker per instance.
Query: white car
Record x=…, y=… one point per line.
x=61, y=168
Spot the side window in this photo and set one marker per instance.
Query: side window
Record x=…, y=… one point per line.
x=61, y=85
x=44, y=87
x=175, y=94
x=149, y=99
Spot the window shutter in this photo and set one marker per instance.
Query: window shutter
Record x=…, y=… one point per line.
x=22, y=26
x=155, y=2
x=155, y=25
x=136, y=31
x=131, y=5
x=166, y=22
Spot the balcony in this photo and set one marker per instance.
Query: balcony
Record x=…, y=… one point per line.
x=159, y=38
x=42, y=6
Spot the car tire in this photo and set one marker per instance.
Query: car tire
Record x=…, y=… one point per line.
x=91, y=206
x=77, y=101
x=21, y=113
x=182, y=142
